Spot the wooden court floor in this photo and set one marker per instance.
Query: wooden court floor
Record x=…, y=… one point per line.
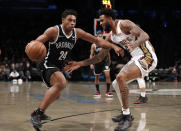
x=78, y=110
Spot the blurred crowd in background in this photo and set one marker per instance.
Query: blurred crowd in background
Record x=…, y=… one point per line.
x=20, y=69
x=23, y=21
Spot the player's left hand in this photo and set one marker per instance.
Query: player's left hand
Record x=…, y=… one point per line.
x=131, y=46
x=72, y=65
x=117, y=50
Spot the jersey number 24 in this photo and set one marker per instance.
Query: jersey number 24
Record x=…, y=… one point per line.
x=63, y=55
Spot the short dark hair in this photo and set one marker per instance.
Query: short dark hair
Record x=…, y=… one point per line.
x=108, y=12
x=69, y=12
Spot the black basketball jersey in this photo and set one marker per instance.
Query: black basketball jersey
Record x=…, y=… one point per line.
x=59, y=49
x=97, y=49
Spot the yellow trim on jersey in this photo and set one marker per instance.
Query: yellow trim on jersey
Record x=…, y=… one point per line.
x=148, y=57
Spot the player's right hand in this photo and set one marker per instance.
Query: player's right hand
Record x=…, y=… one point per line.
x=28, y=44
x=72, y=65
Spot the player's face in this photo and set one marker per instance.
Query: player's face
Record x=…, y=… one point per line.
x=100, y=35
x=69, y=22
x=104, y=21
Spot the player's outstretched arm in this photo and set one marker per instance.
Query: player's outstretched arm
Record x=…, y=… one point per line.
x=73, y=65
x=95, y=59
x=98, y=41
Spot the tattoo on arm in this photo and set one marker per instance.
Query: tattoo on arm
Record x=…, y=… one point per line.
x=135, y=30
x=97, y=58
x=140, y=34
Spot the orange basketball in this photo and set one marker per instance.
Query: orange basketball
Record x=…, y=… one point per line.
x=36, y=50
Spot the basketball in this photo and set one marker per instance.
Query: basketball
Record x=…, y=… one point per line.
x=36, y=50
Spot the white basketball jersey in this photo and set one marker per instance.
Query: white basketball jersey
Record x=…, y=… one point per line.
x=120, y=37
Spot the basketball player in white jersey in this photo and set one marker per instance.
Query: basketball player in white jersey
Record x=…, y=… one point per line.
x=133, y=39
x=60, y=40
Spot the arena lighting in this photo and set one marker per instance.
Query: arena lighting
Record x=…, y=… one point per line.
x=107, y=3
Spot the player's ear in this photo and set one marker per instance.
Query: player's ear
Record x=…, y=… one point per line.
x=63, y=19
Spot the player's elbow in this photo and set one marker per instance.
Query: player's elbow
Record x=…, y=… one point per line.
x=146, y=36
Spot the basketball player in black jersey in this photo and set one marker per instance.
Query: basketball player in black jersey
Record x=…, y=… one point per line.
x=101, y=67
x=61, y=39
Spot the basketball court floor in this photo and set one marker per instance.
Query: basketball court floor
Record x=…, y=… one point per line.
x=77, y=110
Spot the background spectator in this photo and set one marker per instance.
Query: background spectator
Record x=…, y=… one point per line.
x=14, y=75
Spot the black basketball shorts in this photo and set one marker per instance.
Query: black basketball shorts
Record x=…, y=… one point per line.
x=47, y=71
x=99, y=68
